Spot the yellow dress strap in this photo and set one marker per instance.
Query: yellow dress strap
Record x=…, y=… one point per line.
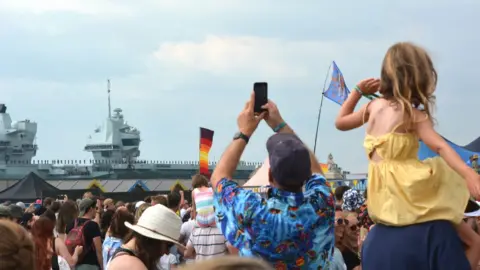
x=394, y=129
x=365, y=112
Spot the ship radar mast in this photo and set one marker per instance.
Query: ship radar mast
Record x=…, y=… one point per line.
x=109, y=105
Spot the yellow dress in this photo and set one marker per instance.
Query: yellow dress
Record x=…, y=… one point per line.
x=402, y=190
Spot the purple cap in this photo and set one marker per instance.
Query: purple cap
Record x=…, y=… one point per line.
x=289, y=160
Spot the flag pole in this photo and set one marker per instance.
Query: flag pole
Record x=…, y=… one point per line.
x=199, y=145
x=320, y=109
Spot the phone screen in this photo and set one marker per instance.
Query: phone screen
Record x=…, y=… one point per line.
x=261, y=96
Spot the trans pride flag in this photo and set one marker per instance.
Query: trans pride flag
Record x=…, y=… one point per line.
x=206, y=140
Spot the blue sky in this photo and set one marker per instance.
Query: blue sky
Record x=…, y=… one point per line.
x=177, y=65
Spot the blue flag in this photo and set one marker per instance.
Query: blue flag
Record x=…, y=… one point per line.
x=337, y=91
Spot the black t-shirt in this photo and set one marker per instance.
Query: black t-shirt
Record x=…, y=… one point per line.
x=351, y=259
x=90, y=231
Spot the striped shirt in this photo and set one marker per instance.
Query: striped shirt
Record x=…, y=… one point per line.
x=208, y=243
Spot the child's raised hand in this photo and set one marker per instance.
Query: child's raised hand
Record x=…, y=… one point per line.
x=369, y=86
x=474, y=187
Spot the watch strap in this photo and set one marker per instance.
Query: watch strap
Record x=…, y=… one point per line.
x=242, y=136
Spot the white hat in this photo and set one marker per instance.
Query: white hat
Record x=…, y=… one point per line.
x=21, y=204
x=138, y=204
x=474, y=213
x=158, y=222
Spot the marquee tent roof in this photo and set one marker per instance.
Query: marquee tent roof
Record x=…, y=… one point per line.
x=29, y=188
x=474, y=146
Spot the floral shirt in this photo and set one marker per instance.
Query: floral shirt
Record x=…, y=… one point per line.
x=289, y=230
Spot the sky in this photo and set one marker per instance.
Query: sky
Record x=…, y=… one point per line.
x=176, y=66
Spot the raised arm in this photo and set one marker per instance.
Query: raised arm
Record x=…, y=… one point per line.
x=247, y=123
x=347, y=118
x=436, y=143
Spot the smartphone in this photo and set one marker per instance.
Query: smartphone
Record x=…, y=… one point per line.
x=261, y=96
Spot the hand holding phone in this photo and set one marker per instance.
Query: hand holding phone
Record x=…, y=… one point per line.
x=261, y=96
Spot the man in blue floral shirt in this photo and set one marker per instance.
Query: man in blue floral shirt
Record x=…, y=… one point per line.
x=292, y=229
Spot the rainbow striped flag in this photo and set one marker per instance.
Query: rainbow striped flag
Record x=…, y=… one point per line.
x=206, y=140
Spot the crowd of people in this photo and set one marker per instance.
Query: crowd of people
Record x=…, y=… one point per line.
x=419, y=214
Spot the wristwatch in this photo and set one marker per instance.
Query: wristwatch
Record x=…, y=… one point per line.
x=240, y=135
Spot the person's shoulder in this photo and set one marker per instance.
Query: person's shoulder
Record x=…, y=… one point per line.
x=317, y=181
x=126, y=263
x=223, y=184
x=91, y=225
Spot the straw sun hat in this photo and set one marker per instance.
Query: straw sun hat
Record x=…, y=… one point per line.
x=158, y=222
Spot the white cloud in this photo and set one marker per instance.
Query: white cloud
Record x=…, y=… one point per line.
x=90, y=7
x=265, y=57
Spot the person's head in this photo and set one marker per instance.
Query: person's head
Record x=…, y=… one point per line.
x=42, y=234
x=339, y=191
x=229, y=263
x=47, y=202
x=185, y=205
x=117, y=226
x=108, y=204
x=289, y=159
x=352, y=230
x=472, y=215
x=22, y=205
x=88, y=195
x=17, y=250
x=352, y=200
x=5, y=212
x=131, y=208
x=55, y=206
x=157, y=230
x=106, y=220
x=159, y=199
x=119, y=204
x=87, y=208
x=408, y=78
x=140, y=209
x=199, y=180
x=339, y=228
x=16, y=212
x=50, y=215
x=67, y=214
x=148, y=199
x=173, y=200
x=187, y=216
x=27, y=220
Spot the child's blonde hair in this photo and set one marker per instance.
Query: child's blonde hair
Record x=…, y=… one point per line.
x=408, y=78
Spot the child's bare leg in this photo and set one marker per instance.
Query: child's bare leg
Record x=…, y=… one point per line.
x=472, y=241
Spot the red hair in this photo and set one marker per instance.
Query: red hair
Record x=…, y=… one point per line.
x=42, y=234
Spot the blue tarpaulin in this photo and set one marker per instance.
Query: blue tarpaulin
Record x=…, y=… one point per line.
x=424, y=152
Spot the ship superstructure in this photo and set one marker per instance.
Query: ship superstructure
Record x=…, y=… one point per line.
x=115, y=142
x=115, y=148
x=17, y=144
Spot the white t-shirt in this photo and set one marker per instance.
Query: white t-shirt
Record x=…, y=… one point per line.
x=183, y=212
x=186, y=231
x=62, y=264
x=166, y=261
